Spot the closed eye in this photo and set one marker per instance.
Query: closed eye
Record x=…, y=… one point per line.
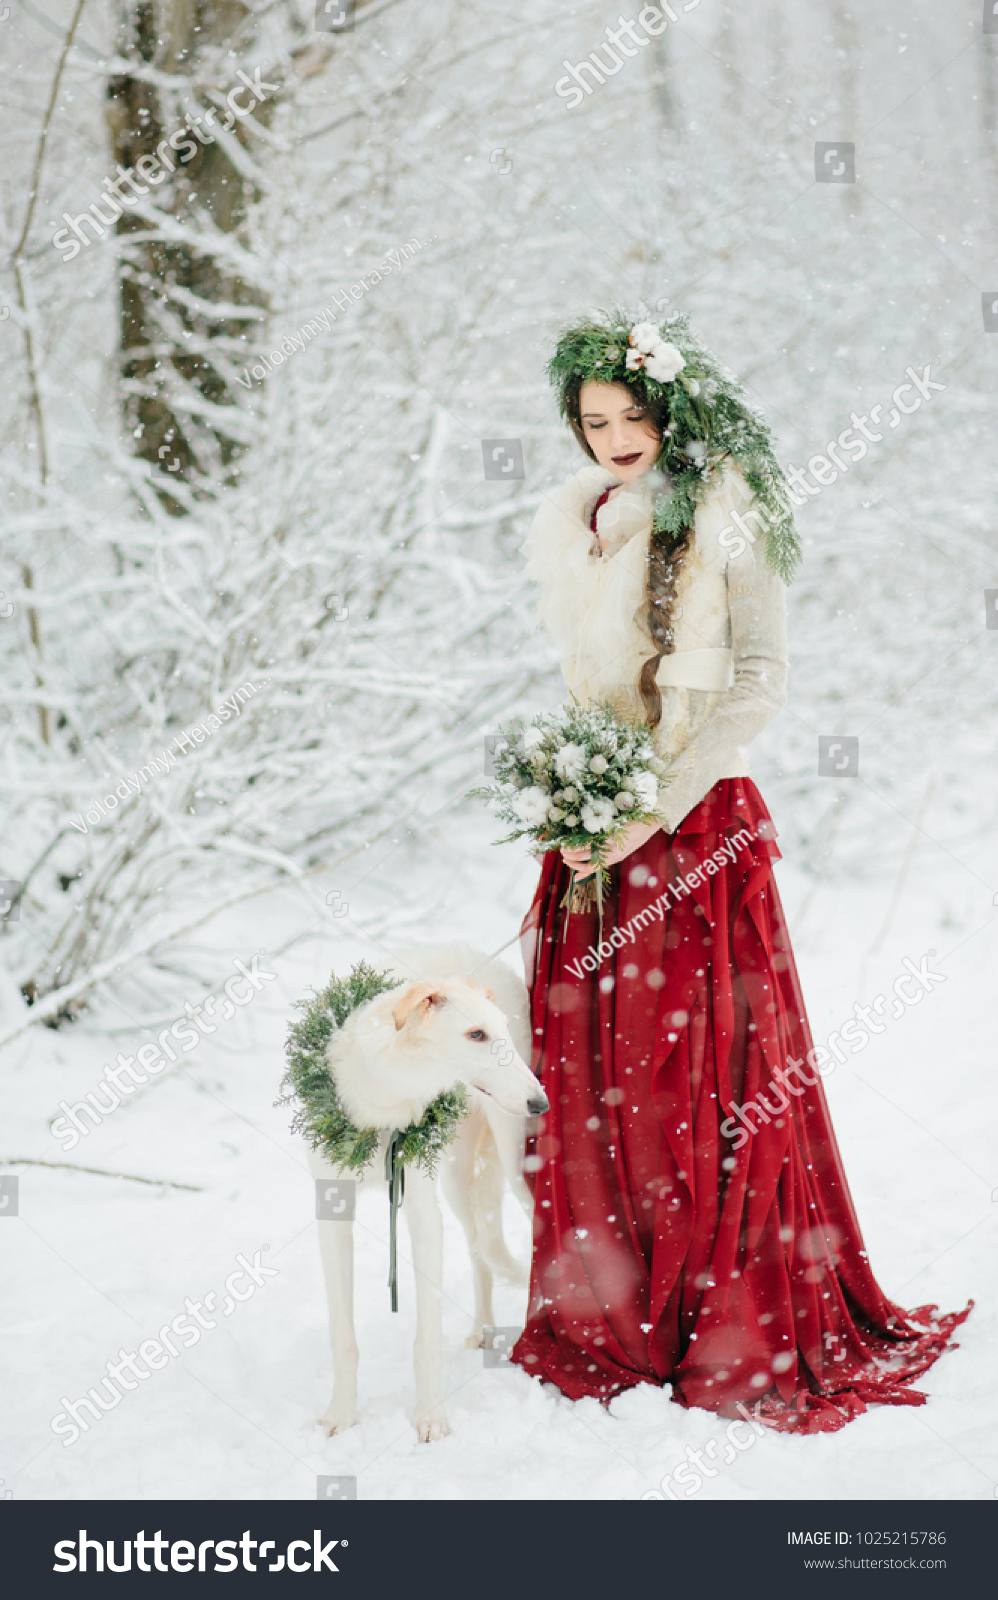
x=477, y=1035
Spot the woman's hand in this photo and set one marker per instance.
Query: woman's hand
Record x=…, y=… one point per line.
x=635, y=836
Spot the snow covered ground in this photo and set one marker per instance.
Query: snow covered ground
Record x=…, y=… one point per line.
x=95, y=1265
x=363, y=524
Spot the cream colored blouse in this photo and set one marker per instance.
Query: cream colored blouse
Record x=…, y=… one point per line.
x=727, y=677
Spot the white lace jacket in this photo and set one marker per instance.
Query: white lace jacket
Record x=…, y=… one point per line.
x=727, y=677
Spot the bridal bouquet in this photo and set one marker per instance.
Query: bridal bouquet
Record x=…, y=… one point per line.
x=575, y=778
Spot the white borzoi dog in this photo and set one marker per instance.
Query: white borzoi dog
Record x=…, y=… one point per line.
x=459, y=1017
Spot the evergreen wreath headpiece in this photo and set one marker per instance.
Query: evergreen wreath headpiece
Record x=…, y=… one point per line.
x=320, y=1116
x=710, y=417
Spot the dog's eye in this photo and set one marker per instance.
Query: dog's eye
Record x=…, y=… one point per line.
x=478, y=1035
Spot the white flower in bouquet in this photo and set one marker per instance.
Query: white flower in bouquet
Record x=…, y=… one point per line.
x=645, y=788
x=664, y=364
x=598, y=816
x=645, y=336
x=533, y=742
x=598, y=764
x=570, y=762
x=532, y=806
x=634, y=360
x=624, y=801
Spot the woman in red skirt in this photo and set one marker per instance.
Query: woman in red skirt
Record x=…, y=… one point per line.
x=693, y=1223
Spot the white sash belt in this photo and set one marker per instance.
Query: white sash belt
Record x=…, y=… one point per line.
x=697, y=669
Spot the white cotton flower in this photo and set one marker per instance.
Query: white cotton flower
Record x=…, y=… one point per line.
x=571, y=821
x=533, y=741
x=570, y=762
x=635, y=360
x=645, y=787
x=532, y=806
x=645, y=336
x=570, y=794
x=665, y=363
x=598, y=764
x=624, y=800
x=598, y=817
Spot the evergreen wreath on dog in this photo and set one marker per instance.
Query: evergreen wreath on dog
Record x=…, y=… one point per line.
x=320, y=1116
x=308, y=1082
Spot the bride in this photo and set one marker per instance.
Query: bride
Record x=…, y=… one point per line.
x=693, y=1223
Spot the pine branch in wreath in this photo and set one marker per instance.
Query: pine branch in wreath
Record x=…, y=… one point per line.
x=308, y=1084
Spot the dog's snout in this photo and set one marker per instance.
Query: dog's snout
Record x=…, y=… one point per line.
x=537, y=1106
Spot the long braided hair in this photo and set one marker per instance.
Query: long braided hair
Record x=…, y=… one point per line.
x=666, y=553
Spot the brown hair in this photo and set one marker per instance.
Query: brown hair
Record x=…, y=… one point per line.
x=665, y=555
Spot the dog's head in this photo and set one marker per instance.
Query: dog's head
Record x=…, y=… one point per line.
x=454, y=1032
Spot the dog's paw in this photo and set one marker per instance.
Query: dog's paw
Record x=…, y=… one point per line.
x=432, y=1424
x=475, y=1339
x=337, y=1420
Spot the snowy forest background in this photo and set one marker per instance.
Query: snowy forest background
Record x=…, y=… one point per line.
x=176, y=529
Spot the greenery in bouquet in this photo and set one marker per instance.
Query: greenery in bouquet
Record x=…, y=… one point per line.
x=575, y=779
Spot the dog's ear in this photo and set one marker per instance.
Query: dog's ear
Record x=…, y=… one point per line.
x=421, y=995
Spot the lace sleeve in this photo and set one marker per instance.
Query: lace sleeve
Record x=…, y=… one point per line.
x=757, y=611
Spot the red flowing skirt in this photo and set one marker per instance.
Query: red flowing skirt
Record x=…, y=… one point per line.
x=675, y=1239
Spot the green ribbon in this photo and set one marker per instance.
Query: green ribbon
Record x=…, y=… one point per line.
x=395, y=1176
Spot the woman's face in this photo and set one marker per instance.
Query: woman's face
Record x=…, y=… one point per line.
x=621, y=439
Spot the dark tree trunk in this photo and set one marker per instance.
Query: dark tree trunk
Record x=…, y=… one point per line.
x=177, y=353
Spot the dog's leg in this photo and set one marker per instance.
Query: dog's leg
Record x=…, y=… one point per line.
x=482, y=1281
x=336, y=1252
x=457, y=1179
x=426, y=1233
x=509, y=1134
